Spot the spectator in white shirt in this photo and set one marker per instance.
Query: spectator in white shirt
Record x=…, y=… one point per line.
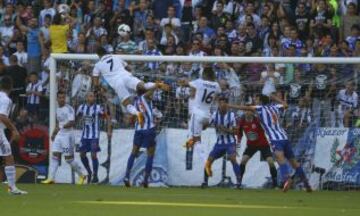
x=250, y=10
x=3, y=57
x=6, y=31
x=347, y=99
x=168, y=31
x=228, y=6
x=45, y=28
x=47, y=10
x=21, y=54
x=171, y=19
x=196, y=51
x=270, y=78
x=98, y=29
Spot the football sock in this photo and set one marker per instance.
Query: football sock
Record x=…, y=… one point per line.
x=95, y=163
x=242, y=171
x=85, y=162
x=148, y=166
x=273, y=173
x=10, y=173
x=206, y=177
x=189, y=158
x=300, y=173
x=53, y=167
x=130, y=164
x=284, y=171
x=75, y=166
x=237, y=171
x=131, y=109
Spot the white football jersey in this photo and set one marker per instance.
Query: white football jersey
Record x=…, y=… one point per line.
x=111, y=68
x=5, y=106
x=64, y=115
x=206, y=92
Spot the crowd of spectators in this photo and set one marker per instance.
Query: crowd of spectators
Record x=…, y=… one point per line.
x=32, y=29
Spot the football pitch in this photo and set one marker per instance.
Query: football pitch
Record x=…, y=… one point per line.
x=89, y=200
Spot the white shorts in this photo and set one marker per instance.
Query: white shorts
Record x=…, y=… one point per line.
x=64, y=143
x=5, y=148
x=197, y=121
x=127, y=86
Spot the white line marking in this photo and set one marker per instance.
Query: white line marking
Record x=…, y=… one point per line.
x=177, y=204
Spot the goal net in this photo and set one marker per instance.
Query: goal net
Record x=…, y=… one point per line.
x=322, y=120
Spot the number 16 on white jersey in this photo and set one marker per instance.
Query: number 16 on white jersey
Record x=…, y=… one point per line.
x=205, y=94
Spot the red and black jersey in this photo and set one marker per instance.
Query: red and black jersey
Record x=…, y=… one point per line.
x=254, y=132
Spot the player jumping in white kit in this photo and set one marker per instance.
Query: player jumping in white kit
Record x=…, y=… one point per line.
x=114, y=71
x=204, y=92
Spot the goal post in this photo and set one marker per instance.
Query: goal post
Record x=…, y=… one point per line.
x=306, y=121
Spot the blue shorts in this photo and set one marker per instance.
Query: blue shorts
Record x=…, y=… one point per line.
x=220, y=149
x=89, y=145
x=145, y=138
x=284, y=146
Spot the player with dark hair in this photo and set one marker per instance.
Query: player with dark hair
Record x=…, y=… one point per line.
x=5, y=148
x=225, y=124
x=203, y=93
x=249, y=124
x=269, y=115
x=90, y=113
x=63, y=141
x=145, y=134
x=116, y=73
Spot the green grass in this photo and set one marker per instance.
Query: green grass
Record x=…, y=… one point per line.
x=70, y=200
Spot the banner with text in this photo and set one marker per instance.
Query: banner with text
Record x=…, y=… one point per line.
x=337, y=159
x=169, y=163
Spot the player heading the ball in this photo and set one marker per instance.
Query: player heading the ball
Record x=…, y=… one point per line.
x=116, y=73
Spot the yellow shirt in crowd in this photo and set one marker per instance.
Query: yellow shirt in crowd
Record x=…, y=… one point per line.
x=58, y=38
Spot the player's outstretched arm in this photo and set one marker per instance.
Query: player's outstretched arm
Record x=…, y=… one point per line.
x=241, y=107
x=226, y=130
x=279, y=100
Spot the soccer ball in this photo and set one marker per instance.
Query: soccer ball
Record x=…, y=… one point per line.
x=123, y=30
x=63, y=9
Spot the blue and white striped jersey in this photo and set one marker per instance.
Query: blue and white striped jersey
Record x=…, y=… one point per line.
x=34, y=87
x=146, y=108
x=228, y=121
x=269, y=116
x=90, y=115
x=153, y=65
